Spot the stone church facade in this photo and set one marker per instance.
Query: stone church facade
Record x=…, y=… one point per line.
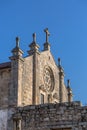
x=33, y=95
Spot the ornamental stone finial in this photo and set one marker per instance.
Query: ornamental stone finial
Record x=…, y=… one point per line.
x=17, y=41
x=69, y=91
x=47, y=34
x=68, y=82
x=59, y=62
x=34, y=37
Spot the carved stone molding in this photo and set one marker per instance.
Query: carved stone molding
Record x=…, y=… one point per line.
x=48, y=78
x=55, y=95
x=43, y=88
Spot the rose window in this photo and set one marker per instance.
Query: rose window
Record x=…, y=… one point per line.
x=48, y=79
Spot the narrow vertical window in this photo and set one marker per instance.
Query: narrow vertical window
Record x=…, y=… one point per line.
x=17, y=124
x=42, y=98
x=48, y=98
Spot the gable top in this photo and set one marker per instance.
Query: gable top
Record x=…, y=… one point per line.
x=49, y=55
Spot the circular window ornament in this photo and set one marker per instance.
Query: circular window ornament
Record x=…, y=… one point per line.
x=48, y=79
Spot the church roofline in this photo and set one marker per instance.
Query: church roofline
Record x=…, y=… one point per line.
x=5, y=65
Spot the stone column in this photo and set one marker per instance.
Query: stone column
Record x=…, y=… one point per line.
x=35, y=52
x=61, y=81
x=15, y=95
x=69, y=91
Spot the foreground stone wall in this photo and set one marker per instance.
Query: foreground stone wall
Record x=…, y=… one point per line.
x=6, y=122
x=52, y=116
x=3, y=119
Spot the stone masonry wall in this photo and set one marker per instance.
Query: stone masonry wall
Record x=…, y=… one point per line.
x=5, y=76
x=52, y=116
x=44, y=59
x=27, y=80
x=65, y=93
x=17, y=81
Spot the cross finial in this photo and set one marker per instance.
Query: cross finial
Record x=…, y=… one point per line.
x=34, y=37
x=47, y=34
x=17, y=41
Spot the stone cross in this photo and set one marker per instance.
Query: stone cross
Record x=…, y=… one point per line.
x=34, y=37
x=47, y=34
x=17, y=41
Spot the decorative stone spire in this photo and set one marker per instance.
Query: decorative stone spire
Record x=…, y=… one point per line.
x=60, y=67
x=69, y=91
x=46, y=44
x=61, y=80
x=34, y=37
x=17, y=42
x=68, y=83
x=17, y=52
x=17, y=62
x=33, y=46
x=59, y=62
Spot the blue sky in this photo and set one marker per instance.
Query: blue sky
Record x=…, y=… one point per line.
x=67, y=23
